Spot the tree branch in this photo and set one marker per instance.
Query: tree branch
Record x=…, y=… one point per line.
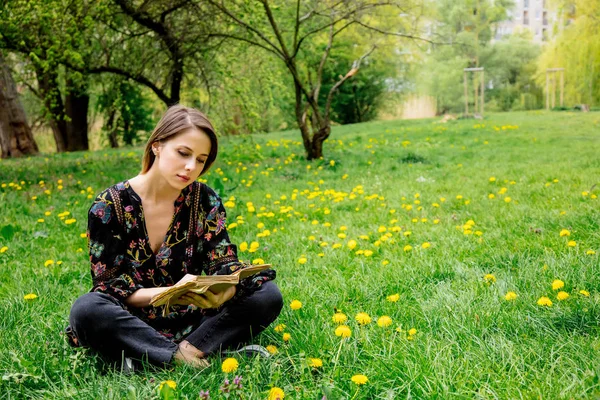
x=253, y=43
x=349, y=74
x=137, y=78
x=275, y=28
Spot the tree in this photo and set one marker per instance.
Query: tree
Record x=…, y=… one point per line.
x=576, y=48
x=290, y=32
x=16, y=138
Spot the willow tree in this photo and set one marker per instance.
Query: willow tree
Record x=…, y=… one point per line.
x=301, y=34
x=576, y=48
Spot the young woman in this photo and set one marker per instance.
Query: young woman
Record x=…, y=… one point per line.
x=154, y=230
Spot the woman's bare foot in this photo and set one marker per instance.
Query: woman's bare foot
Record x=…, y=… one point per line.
x=188, y=354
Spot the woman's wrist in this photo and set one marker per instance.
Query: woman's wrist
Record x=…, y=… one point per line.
x=142, y=297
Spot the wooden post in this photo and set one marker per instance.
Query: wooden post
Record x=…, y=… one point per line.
x=482, y=91
x=466, y=93
x=547, y=92
x=562, y=87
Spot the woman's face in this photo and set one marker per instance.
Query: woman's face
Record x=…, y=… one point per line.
x=180, y=160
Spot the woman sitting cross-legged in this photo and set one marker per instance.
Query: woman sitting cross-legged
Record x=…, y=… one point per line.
x=155, y=230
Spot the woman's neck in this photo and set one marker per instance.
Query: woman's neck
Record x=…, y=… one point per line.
x=152, y=188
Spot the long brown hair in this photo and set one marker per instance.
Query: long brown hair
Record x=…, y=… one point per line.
x=177, y=119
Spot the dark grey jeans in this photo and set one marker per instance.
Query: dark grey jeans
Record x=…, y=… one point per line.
x=99, y=321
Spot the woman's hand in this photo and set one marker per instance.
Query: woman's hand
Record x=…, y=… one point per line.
x=207, y=299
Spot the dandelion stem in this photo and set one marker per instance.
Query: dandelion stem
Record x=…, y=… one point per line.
x=337, y=357
x=355, y=393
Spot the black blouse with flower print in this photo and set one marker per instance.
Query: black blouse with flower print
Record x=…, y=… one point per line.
x=122, y=260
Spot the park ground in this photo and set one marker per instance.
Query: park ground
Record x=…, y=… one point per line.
x=463, y=254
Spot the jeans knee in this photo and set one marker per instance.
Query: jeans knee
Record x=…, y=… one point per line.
x=87, y=310
x=270, y=301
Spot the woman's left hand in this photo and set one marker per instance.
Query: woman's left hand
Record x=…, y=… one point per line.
x=207, y=299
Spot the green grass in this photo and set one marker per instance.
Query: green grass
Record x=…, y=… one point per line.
x=470, y=341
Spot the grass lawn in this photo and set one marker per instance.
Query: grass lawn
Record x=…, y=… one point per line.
x=449, y=236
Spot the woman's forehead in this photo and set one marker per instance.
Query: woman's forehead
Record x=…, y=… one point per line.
x=194, y=139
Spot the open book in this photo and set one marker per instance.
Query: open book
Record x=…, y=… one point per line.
x=203, y=283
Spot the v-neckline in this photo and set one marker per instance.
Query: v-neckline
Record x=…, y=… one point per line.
x=143, y=219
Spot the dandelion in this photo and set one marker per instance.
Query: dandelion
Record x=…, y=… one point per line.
x=589, y=252
x=384, y=321
x=359, y=379
x=277, y=393
x=408, y=247
x=343, y=331
x=426, y=245
x=562, y=295
x=557, y=284
x=510, y=296
x=48, y=263
x=565, y=232
x=544, y=301
x=30, y=296
x=351, y=244
x=489, y=278
x=4, y=249
x=492, y=179
x=339, y=318
x=507, y=199
x=286, y=337
x=257, y=261
x=229, y=365
x=280, y=328
x=571, y=243
x=302, y=260
x=315, y=362
x=70, y=221
x=272, y=349
x=169, y=383
x=368, y=253
x=363, y=318
x=491, y=196
x=393, y=298
x=412, y=332
x=584, y=293
x=243, y=246
x=295, y=305
x=253, y=247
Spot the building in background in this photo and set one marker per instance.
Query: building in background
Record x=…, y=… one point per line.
x=528, y=14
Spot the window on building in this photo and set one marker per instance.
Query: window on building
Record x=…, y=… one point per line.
x=525, y=17
x=525, y=3
x=545, y=18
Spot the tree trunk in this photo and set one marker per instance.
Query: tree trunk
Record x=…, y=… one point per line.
x=48, y=85
x=111, y=128
x=77, y=104
x=16, y=138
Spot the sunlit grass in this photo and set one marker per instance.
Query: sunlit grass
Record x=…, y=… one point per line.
x=427, y=224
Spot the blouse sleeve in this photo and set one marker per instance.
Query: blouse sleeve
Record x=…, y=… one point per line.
x=217, y=254
x=109, y=267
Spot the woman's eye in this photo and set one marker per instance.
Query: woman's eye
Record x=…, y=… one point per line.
x=201, y=161
x=183, y=154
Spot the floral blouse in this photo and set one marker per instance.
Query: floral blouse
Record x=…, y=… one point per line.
x=196, y=242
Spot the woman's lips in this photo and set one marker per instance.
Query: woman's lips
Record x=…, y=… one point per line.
x=183, y=178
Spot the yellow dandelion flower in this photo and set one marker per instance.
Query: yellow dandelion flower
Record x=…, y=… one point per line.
x=351, y=244
x=544, y=301
x=339, y=318
x=489, y=278
x=277, y=393
x=565, y=232
x=590, y=252
x=491, y=196
x=412, y=332
x=315, y=362
x=426, y=245
x=243, y=246
x=393, y=298
x=557, y=284
x=286, y=337
x=408, y=247
x=4, y=249
x=229, y=365
x=384, y=321
x=302, y=260
x=584, y=293
x=359, y=379
x=280, y=328
x=510, y=296
x=30, y=296
x=368, y=253
x=507, y=199
x=562, y=295
x=492, y=179
x=363, y=318
x=253, y=247
x=343, y=331
x=257, y=261
x=295, y=305
x=169, y=383
x=272, y=349
x=48, y=263
x=571, y=243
